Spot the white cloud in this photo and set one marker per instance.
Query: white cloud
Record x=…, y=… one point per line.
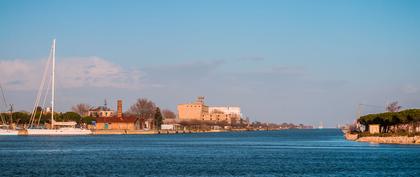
x=74, y=72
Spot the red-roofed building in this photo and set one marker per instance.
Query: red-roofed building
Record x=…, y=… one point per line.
x=123, y=122
x=116, y=123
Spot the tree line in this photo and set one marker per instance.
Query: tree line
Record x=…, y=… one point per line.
x=23, y=117
x=143, y=108
x=393, y=121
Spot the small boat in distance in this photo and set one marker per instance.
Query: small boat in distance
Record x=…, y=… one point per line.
x=321, y=125
x=55, y=128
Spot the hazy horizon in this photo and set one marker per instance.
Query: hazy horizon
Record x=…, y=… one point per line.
x=280, y=61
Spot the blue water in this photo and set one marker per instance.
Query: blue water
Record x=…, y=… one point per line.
x=264, y=153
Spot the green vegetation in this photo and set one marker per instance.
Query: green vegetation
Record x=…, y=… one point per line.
x=393, y=121
x=88, y=119
x=69, y=116
x=158, y=118
x=23, y=118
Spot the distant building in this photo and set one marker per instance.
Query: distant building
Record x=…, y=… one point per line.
x=374, y=128
x=170, y=124
x=115, y=123
x=226, y=110
x=101, y=111
x=121, y=121
x=192, y=110
x=199, y=111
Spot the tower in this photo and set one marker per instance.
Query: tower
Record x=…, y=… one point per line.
x=119, y=109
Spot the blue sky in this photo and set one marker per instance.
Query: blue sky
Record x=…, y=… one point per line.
x=281, y=61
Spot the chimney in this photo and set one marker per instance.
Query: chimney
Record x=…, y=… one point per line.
x=119, y=109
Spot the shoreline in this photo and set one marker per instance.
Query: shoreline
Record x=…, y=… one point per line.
x=414, y=140
x=149, y=132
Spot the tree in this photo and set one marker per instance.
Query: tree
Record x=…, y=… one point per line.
x=191, y=124
x=158, y=118
x=393, y=107
x=82, y=109
x=88, y=119
x=168, y=114
x=392, y=121
x=21, y=117
x=38, y=109
x=71, y=116
x=143, y=107
x=44, y=118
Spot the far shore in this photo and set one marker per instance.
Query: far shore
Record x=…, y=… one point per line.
x=383, y=139
x=154, y=132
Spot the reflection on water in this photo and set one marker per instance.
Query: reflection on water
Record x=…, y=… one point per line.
x=265, y=153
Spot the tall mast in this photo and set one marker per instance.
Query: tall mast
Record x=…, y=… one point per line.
x=53, y=84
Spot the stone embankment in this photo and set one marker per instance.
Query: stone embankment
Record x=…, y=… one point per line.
x=384, y=140
x=138, y=132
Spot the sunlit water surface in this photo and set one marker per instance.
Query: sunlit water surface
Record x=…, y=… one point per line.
x=264, y=153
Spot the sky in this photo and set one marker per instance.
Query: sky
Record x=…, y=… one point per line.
x=280, y=61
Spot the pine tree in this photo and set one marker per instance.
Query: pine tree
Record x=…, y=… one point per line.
x=158, y=118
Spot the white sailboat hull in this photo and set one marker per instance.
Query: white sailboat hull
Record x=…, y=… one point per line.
x=58, y=132
x=8, y=132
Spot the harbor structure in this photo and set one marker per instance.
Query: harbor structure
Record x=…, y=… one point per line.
x=101, y=111
x=170, y=124
x=199, y=111
x=115, y=123
x=374, y=128
x=226, y=110
x=120, y=121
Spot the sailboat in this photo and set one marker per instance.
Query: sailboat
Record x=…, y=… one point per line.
x=6, y=129
x=55, y=128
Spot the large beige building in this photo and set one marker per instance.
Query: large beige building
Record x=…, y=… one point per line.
x=199, y=111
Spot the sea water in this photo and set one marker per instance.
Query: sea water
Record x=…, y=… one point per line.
x=259, y=153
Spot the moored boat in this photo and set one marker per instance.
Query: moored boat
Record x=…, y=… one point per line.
x=5, y=130
x=59, y=131
x=55, y=128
